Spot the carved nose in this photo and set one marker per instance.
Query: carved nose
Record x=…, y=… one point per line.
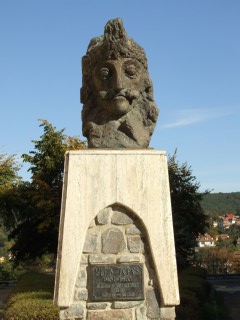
x=118, y=81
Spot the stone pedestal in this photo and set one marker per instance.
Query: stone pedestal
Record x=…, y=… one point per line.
x=116, y=255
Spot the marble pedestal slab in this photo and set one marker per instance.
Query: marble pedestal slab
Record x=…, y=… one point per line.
x=97, y=178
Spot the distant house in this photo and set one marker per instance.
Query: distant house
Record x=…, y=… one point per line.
x=230, y=217
x=223, y=236
x=205, y=241
x=227, y=220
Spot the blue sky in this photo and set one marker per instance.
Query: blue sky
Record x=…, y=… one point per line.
x=193, y=52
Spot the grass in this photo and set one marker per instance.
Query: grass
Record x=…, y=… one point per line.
x=32, y=299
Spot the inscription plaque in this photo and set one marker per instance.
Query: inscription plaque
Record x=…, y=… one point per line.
x=117, y=282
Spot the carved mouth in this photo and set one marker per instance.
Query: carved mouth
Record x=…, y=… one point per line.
x=119, y=97
x=123, y=95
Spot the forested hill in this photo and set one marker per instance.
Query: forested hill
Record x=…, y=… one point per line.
x=221, y=203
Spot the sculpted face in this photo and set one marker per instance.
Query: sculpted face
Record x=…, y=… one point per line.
x=118, y=106
x=116, y=84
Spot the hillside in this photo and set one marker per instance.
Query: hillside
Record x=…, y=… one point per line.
x=221, y=203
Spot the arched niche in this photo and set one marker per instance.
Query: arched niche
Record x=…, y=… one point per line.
x=117, y=236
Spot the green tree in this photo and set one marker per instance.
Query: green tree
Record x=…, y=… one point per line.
x=189, y=219
x=9, y=179
x=8, y=171
x=33, y=208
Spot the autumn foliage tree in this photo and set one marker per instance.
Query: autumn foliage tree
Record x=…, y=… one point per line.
x=218, y=260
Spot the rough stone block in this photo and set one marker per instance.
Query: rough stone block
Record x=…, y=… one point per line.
x=97, y=305
x=128, y=258
x=135, y=244
x=140, y=313
x=62, y=315
x=104, y=216
x=81, y=294
x=126, y=304
x=113, y=241
x=120, y=218
x=110, y=315
x=95, y=259
x=133, y=230
x=153, y=308
x=75, y=311
x=167, y=313
x=82, y=278
x=91, y=243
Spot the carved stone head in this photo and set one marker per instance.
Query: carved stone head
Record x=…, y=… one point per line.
x=118, y=111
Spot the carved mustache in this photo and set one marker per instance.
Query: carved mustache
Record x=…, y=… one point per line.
x=129, y=94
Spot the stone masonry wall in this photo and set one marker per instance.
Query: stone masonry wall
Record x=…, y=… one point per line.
x=116, y=236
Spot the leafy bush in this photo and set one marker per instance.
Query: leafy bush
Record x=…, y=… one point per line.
x=215, y=303
x=32, y=299
x=189, y=306
x=195, y=271
x=194, y=280
x=8, y=272
x=194, y=290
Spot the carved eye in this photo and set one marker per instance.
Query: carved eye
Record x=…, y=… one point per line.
x=104, y=73
x=131, y=71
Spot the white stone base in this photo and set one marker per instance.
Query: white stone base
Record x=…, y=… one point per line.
x=97, y=178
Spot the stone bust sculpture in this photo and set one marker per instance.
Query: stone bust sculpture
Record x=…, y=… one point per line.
x=118, y=107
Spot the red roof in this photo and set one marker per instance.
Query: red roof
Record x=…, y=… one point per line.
x=229, y=215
